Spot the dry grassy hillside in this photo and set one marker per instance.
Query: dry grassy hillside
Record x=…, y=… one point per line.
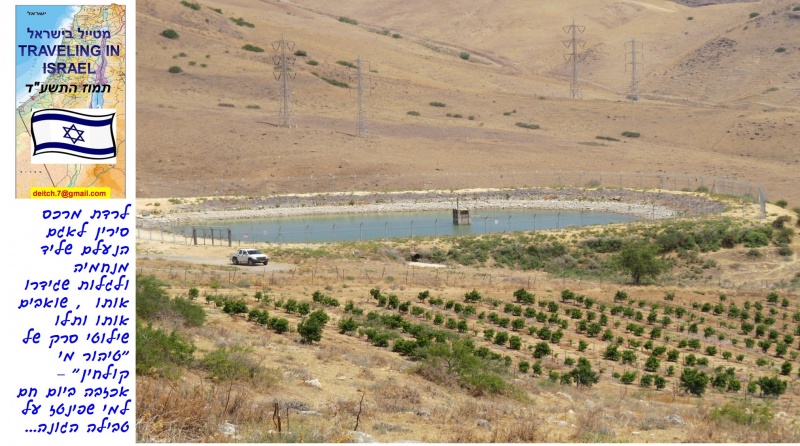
x=715, y=92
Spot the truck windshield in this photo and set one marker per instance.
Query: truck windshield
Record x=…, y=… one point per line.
x=253, y=251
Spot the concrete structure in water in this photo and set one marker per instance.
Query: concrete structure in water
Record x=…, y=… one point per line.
x=460, y=216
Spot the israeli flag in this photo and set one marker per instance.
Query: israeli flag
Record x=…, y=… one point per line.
x=75, y=135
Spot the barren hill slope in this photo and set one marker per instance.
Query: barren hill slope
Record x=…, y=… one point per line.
x=718, y=99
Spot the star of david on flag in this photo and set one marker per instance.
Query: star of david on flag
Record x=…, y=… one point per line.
x=78, y=133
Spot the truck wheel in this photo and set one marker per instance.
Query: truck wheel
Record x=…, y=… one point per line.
x=250, y=262
x=266, y=262
x=235, y=261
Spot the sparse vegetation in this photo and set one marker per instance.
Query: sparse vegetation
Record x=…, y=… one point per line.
x=348, y=20
x=336, y=83
x=253, y=48
x=436, y=104
x=242, y=22
x=412, y=113
x=195, y=6
x=525, y=125
x=175, y=69
x=300, y=53
x=631, y=134
x=170, y=34
x=345, y=63
x=754, y=15
x=312, y=62
x=464, y=55
x=780, y=49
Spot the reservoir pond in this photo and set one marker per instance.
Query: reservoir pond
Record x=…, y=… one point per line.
x=350, y=227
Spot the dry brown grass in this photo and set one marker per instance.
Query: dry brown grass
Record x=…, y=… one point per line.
x=168, y=412
x=728, y=125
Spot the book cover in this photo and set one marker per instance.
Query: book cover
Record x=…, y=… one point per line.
x=70, y=98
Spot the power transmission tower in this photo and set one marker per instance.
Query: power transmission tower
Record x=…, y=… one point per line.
x=633, y=95
x=574, y=86
x=361, y=129
x=282, y=73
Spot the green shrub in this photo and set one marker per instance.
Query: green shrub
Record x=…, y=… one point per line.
x=229, y=364
x=195, y=6
x=253, y=48
x=348, y=20
x=217, y=10
x=541, y=349
x=437, y=104
x=780, y=49
x=772, y=386
x=743, y=414
x=175, y=69
x=345, y=63
x=162, y=353
x=527, y=126
x=348, y=325
x=300, y=53
x=310, y=328
x=607, y=138
x=754, y=15
x=413, y=113
x=170, y=34
x=693, y=381
x=226, y=104
x=192, y=314
x=279, y=324
x=242, y=22
x=312, y=62
x=754, y=238
x=253, y=106
x=631, y=134
x=781, y=203
x=628, y=377
x=472, y=296
x=396, y=36
x=335, y=83
x=464, y=55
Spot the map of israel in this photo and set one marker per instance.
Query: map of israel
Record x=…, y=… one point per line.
x=70, y=98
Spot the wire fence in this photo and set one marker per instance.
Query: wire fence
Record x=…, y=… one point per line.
x=205, y=187
x=351, y=228
x=596, y=188
x=393, y=275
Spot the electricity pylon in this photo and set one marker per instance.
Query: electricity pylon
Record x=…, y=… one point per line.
x=282, y=73
x=574, y=86
x=633, y=94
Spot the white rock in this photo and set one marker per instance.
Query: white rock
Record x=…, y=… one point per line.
x=564, y=395
x=675, y=419
x=361, y=437
x=228, y=429
x=313, y=383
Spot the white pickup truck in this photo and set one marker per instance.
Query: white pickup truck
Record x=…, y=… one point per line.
x=249, y=256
